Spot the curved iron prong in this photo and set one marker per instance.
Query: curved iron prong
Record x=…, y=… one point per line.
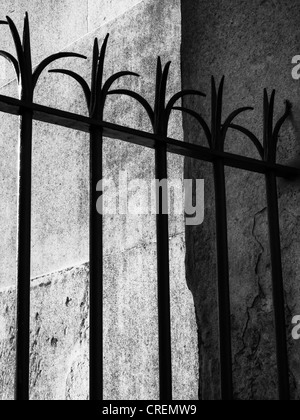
x=97, y=73
x=181, y=94
x=41, y=67
x=277, y=129
x=220, y=103
x=159, y=73
x=9, y=57
x=137, y=97
x=201, y=121
x=282, y=120
x=266, y=114
x=175, y=98
x=100, y=65
x=163, y=87
x=214, y=104
x=112, y=79
x=27, y=46
x=271, y=113
x=230, y=119
x=160, y=122
x=251, y=136
x=80, y=80
x=20, y=53
x=94, y=74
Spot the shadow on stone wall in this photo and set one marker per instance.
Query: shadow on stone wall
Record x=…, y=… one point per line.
x=252, y=44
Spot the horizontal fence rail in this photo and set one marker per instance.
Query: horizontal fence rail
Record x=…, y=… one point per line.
x=142, y=138
x=216, y=134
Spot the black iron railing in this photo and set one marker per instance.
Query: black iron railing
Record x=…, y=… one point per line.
x=216, y=134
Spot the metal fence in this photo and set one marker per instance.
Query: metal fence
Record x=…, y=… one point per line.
x=216, y=132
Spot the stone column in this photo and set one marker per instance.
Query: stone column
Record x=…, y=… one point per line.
x=139, y=32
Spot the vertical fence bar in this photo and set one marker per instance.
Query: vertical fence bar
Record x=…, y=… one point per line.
x=23, y=258
x=163, y=273
x=96, y=268
x=278, y=288
x=223, y=282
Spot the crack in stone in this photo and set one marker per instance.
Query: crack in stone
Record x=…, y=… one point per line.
x=260, y=296
x=260, y=290
x=84, y=309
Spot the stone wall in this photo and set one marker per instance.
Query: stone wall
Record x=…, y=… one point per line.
x=252, y=44
x=139, y=31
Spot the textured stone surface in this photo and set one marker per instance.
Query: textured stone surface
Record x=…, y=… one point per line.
x=60, y=332
x=59, y=325
x=252, y=44
x=48, y=21
x=60, y=228
x=60, y=156
x=101, y=12
x=50, y=33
